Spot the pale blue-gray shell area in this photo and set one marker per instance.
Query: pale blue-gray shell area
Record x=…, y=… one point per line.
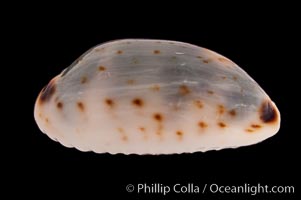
x=198, y=71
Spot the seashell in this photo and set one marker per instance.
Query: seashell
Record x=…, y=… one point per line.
x=138, y=96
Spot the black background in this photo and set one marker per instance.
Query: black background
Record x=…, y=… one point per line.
x=48, y=39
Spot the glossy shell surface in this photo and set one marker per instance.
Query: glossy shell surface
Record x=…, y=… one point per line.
x=154, y=97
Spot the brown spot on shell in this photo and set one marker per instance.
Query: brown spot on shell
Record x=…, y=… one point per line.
x=222, y=124
x=210, y=92
x=267, y=112
x=124, y=138
x=155, y=87
x=158, y=117
x=102, y=68
x=80, y=106
x=137, y=102
x=176, y=106
x=83, y=80
x=142, y=129
x=207, y=61
x=119, y=52
x=159, y=129
x=46, y=120
x=221, y=109
x=249, y=130
x=130, y=82
x=135, y=61
x=48, y=91
x=100, y=49
x=180, y=134
x=221, y=59
x=59, y=105
x=184, y=90
x=199, y=104
x=232, y=112
x=203, y=124
x=256, y=126
x=157, y=52
x=224, y=77
x=200, y=57
x=109, y=102
x=234, y=78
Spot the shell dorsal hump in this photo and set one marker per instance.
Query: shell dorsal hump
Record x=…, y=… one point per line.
x=138, y=96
